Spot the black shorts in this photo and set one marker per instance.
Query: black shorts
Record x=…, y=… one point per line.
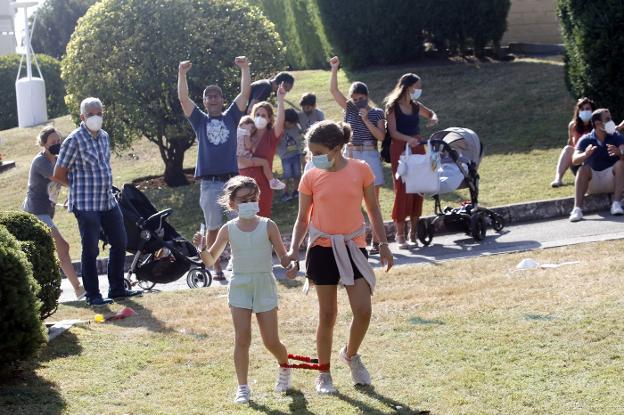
x=322, y=269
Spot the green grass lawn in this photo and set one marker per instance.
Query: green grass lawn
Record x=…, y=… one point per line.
x=520, y=110
x=469, y=336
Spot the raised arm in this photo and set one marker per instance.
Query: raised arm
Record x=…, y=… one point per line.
x=278, y=128
x=241, y=100
x=183, y=95
x=333, y=83
x=395, y=134
x=301, y=225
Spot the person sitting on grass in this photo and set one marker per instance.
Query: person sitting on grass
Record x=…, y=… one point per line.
x=289, y=150
x=252, y=239
x=245, y=148
x=601, y=154
x=43, y=190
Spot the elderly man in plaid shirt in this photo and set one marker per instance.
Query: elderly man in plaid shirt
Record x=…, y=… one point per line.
x=84, y=165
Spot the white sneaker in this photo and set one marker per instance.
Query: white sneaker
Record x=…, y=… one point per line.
x=80, y=293
x=324, y=383
x=283, y=379
x=276, y=184
x=229, y=265
x=556, y=183
x=577, y=214
x=616, y=208
x=242, y=394
x=359, y=374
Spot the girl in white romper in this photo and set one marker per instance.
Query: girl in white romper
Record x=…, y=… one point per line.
x=252, y=286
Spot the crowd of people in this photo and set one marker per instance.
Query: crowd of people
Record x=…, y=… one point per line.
x=339, y=170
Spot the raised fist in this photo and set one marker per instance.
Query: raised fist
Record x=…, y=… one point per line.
x=184, y=66
x=241, y=61
x=334, y=62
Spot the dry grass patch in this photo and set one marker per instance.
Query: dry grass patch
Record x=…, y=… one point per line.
x=466, y=336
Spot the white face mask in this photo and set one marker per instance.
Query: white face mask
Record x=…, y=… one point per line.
x=248, y=210
x=242, y=132
x=94, y=123
x=585, y=115
x=260, y=122
x=416, y=94
x=610, y=127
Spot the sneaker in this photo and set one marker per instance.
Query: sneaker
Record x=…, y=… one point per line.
x=359, y=374
x=80, y=293
x=276, y=184
x=229, y=265
x=324, y=383
x=374, y=249
x=616, y=208
x=99, y=301
x=283, y=379
x=126, y=294
x=556, y=183
x=577, y=214
x=242, y=394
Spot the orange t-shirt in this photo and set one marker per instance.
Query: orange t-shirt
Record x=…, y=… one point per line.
x=337, y=199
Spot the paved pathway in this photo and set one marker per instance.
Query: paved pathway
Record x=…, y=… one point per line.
x=520, y=237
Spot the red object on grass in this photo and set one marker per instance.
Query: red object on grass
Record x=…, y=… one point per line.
x=125, y=312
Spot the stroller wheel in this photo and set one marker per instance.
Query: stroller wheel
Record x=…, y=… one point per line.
x=425, y=232
x=477, y=226
x=146, y=285
x=127, y=284
x=498, y=223
x=198, y=278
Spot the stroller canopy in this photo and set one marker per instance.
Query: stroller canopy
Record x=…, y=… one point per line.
x=463, y=140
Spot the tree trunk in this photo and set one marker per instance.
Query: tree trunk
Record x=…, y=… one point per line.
x=174, y=164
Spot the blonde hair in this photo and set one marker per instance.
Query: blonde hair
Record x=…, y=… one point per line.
x=246, y=119
x=235, y=184
x=269, y=109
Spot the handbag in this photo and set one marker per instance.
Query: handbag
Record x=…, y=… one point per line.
x=419, y=172
x=385, y=147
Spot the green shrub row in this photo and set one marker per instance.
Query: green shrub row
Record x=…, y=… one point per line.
x=55, y=88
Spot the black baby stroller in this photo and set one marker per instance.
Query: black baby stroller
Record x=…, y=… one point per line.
x=161, y=255
x=460, y=152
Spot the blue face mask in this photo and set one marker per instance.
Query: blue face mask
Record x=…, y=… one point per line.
x=322, y=162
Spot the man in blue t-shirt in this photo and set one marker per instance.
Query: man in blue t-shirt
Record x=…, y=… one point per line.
x=216, y=135
x=601, y=154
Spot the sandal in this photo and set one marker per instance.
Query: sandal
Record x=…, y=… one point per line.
x=402, y=243
x=374, y=249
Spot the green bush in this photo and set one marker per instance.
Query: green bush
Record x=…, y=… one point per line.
x=594, y=47
x=138, y=45
x=55, y=23
x=38, y=245
x=299, y=24
x=55, y=88
x=21, y=332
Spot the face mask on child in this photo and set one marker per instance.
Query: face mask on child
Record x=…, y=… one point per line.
x=322, y=162
x=242, y=132
x=248, y=210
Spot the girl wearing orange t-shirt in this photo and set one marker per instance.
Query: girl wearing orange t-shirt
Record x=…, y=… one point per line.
x=330, y=200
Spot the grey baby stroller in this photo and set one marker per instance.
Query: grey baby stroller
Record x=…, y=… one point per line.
x=161, y=255
x=460, y=152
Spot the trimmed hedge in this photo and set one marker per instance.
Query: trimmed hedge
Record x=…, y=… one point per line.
x=55, y=88
x=38, y=245
x=21, y=331
x=381, y=32
x=298, y=23
x=594, y=51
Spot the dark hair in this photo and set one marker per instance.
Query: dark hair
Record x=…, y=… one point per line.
x=290, y=115
x=329, y=134
x=597, y=115
x=42, y=137
x=308, y=99
x=578, y=124
x=358, y=88
x=212, y=88
x=404, y=82
x=235, y=184
x=284, y=77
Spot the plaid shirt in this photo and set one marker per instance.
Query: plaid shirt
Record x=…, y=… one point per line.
x=90, y=175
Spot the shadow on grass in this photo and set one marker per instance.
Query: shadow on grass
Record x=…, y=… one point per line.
x=394, y=406
x=298, y=405
x=28, y=393
x=64, y=345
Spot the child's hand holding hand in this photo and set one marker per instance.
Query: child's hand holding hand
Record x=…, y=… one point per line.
x=292, y=270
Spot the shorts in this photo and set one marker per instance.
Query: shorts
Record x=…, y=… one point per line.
x=322, y=269
x=47, y=219
x=373, y=159
x=210, y=192
x=601, y=181
x=292, y=166
x=255, y=292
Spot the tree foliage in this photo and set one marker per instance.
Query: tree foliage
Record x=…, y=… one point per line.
x=55, y=23
x=126, y=52
x=594, y=46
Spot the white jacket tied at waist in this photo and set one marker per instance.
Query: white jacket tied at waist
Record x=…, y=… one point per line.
x=340, y=244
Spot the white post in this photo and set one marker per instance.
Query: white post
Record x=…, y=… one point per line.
x=27, y=42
